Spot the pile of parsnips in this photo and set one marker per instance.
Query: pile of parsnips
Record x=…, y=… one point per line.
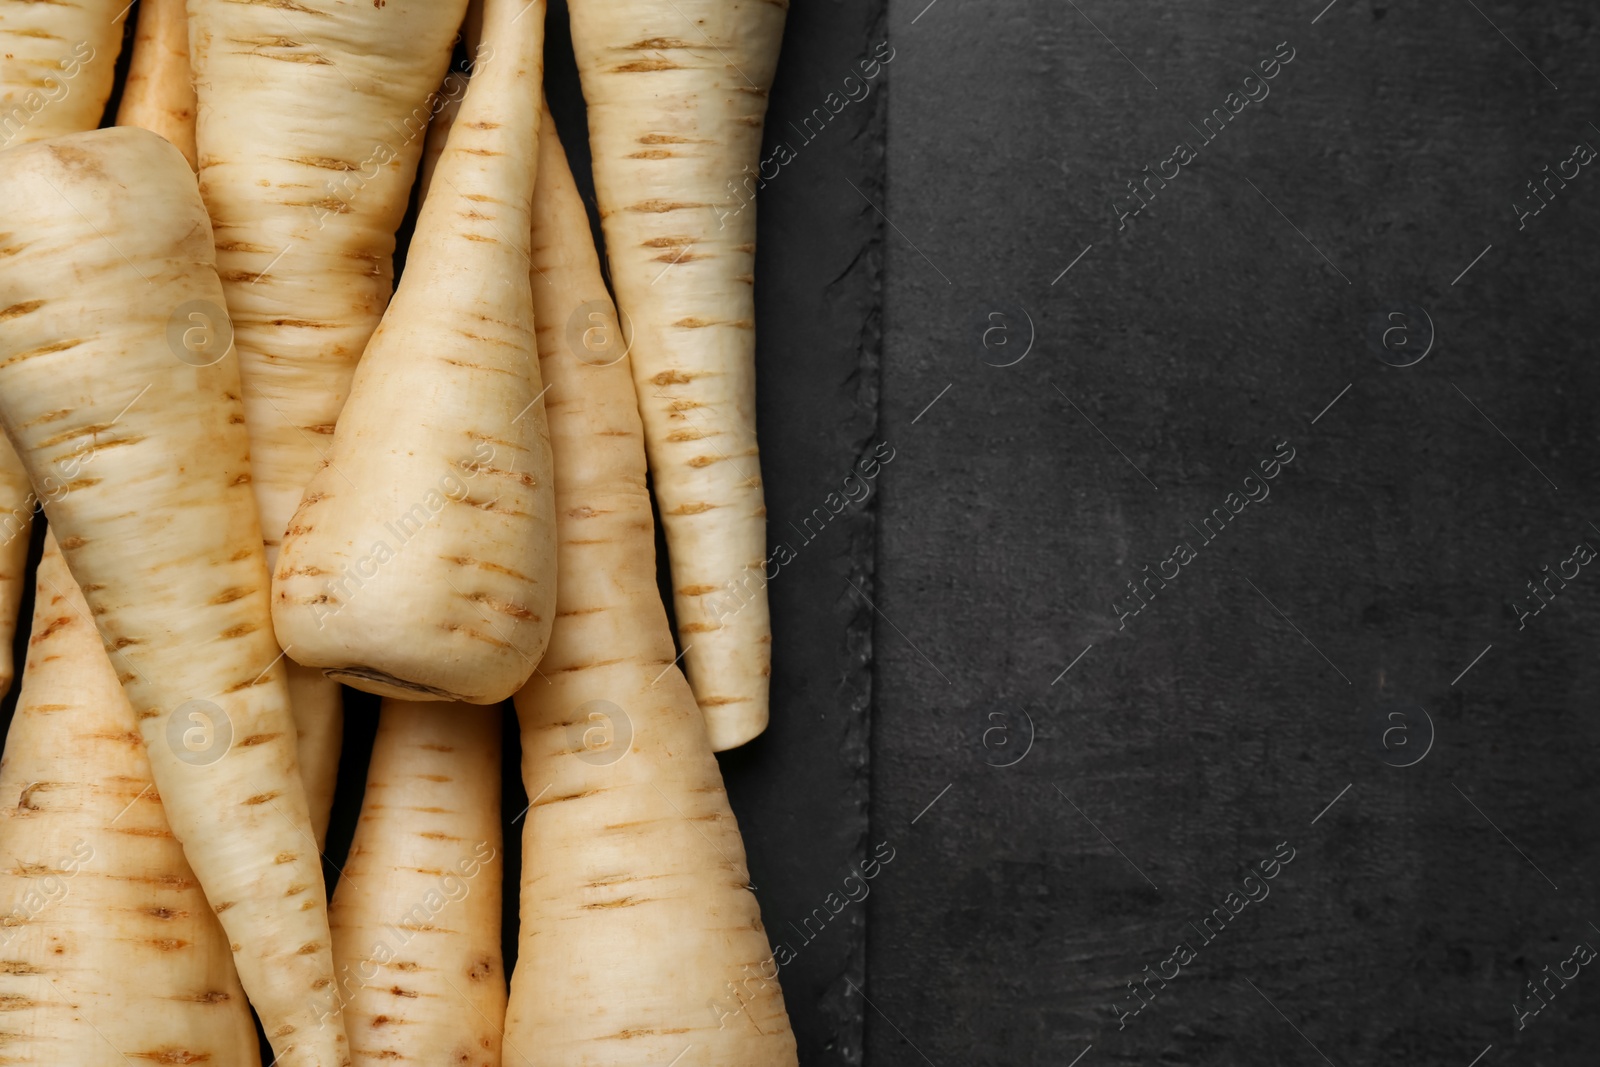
x=266, y=470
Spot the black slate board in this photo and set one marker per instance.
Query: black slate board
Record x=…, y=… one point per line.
x=1255, y=690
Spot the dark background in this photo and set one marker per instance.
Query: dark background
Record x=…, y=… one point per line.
x=1054, y=433
x=1227, y=715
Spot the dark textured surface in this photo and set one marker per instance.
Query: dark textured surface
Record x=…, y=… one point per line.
x=1173, y=356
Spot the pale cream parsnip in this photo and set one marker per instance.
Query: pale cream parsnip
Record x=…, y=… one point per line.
x=57, y=64
x=311, y=119
x=96, y=890
x=159, y=93
x=159, y=97
x=421, y=562
x=639, y=930
x=109, y=254
x=677, y=93
x=416, y=915
x=57, y=61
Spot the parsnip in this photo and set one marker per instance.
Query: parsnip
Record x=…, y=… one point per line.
x=318, y=709
x=450, y=95
x=416, y=915
x=311, y=118
x=421, y=563
x=57, y=61
x=17, y=502
x=159, y=97
x=106, y=256
x=109, y=953
x=159, y=93
x=677, y=93
x=640, y=938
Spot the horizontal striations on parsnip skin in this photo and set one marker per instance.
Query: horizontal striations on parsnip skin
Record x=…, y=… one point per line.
x=416, y=915
x=115, y=378
x=95, y=889
x=57, y=62
x=421, y=561
x=677, y=95
x=311, y=119
x=641, y=940
x=159, y=93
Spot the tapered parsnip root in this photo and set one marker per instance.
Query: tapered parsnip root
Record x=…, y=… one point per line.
x=57, y=62
x=416, y=916
x=159, y=97
x=56, y=66
x=454, y=87
x=305, y=198
x=639, y=933
x=109, y=263
x=677, y=93
x=450, y=95
x=312, y=117
x=109, y=953
x=159, y=93
x=421, y=563
x=17, y=503
x=343, y=181
x=318, y=706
